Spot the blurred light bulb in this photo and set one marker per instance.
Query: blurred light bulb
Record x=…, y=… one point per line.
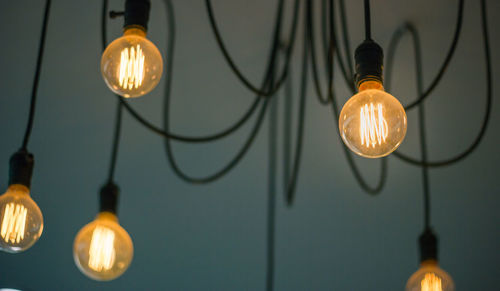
x=102, y=249
x=430, y=278
x=372, y=123
x=21, y=221
x=131, y=65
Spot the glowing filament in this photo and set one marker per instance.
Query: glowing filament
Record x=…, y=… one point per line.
x=102, y=251
x=372, y=125
x=131, y=72
x=14, y=222
x=431, y=282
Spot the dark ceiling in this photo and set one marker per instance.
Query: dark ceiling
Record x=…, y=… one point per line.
x=213, y=237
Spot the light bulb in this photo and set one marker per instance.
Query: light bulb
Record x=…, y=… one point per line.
x=102, y=249
x=132, y=65
x=21, y=221
x=430, y=278
x=372, y=123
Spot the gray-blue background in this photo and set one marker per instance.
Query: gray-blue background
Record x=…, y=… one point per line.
x=213, y=237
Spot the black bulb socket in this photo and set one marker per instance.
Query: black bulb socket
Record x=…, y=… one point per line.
x=108, y=198
x=137, y=14
x=369, y=58
x=428, y=242
x=21, y=168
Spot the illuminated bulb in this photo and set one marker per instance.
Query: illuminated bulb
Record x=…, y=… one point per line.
x=131, y=65
x=21, y=221
x=102, y=249
x=372, y=123
x=430, y=278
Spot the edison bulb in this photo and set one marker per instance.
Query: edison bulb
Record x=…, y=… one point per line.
x=21, y=221
x=102, y=249
x=430, y=278
x=372, y=123
x=132, y=65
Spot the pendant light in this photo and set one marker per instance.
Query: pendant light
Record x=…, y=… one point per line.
x=21, y=221
x=102, y=249
x=132, y=65
x=372, y=123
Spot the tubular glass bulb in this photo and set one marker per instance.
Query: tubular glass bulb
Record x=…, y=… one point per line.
x=102, y=249
x=131, y=65
x=21, y=221
x=372, y=123
x=430, y=278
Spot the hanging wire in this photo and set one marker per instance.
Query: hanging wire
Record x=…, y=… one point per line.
x=368, y=24
x=116, y=141
x=207, y=138
x=422, y=129
x=335, y=109
x=291, y=184
x=327, y=48
x=249, y=141
x=271, y=190
x=34, y=91
x=277, y=31
x=118, y=117
x=436, y=79
x=346, y=68
x=446, y=62
x=489, y=90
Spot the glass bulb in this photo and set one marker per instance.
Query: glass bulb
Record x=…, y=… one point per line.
x=131, y=65
x=102, y=249
x=430, y=278
x=372, y=123
x=21, y=221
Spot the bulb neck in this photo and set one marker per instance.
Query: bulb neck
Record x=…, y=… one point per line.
x=429, y=263
x=428, y=242
x=370, y=85
x=134, y=30
x=369, y=58
x=109, y=198
x=137, y=14
x=19, y=189
x=21, y=168
x=106, y=215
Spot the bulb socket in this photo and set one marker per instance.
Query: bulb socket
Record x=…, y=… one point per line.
x=428, y=242
x=137, y=14
x=108, y=198
x=369, y=58
x=21, y=168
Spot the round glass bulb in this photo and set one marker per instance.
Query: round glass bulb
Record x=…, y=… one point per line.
x=21, y=221
x=430, y=278
x=102, y=249
x=372, y=123
x=132, y=65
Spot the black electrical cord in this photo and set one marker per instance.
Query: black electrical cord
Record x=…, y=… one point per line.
x=422, y=128
x=241, y=153
x=489, y=90
x=116, y=142
x=291, y=184
x=446, y=62
x=34, y=91
x=208, y=138
x=350, y=160
x=271, y=190
x=436, y=79
x=346, y=68
x=368, y=24
x=119, y=106
x=327, y=47
x=287, y=128
x=277, y=32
